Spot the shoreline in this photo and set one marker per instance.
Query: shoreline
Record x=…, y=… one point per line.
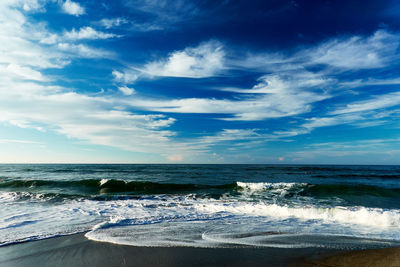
x=77, y=250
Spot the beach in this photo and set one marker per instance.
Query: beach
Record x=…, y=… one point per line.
x=76, y=250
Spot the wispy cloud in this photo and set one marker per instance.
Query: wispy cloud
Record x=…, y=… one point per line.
x=377, y=102
x=362, y=114
x=368, y=143
x=280, y=83
x=82, y=50
x=88, y=33
x=164, y=13
x=16, y=141
x=274, y=98
x=232, y=135
x=370, y=82
x=357, y=52
x=69, y=40
x=112, y=22
x=368, y=151
x=334, y=55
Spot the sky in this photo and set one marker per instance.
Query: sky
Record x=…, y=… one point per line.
x=202, y=81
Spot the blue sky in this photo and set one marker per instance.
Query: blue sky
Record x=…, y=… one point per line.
x=159, y=81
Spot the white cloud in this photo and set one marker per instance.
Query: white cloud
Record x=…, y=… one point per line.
x=126, y=90
x=49, y=39
x=360, y=114
x=368, y=151
x=377, y=102
x=275, y=98
x=281, y=83
x=146, y=27
x=29, y=99
x=84, y=33
x=203, y=61
x=331, y=121
x=26, y=5
x=357, y=144
x=133, y=26
x=128, y=76
x=233, y=140
x=232, y=135
x=25, y=72
x=370, y=82
x=28, y=46
x=82, y=50
x=87, y=33
x=114, y=22
x=342, y=53
x=165, y=13
x=357, y=52
x=29, y=5
x=229, y=138
x=352, y=156
x=18, y=44
x=78, y=116
x=72, y=8
x=16, y=141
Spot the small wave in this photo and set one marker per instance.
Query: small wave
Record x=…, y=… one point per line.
x=321, y=190
x=32, y=196
x=99, y=188
x=111, y=186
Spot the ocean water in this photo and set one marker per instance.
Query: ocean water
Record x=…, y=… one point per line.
x=286, y=206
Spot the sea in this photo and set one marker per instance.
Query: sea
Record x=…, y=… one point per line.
x=209, y=206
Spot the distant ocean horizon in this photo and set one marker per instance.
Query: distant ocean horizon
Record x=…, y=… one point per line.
x=203, y=205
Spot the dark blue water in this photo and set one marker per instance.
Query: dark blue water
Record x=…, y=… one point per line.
x=207, y=205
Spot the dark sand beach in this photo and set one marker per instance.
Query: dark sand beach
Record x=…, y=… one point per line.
x=76, y=250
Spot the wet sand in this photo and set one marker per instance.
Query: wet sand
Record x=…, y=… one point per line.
x=388, y=257
x=76, y=250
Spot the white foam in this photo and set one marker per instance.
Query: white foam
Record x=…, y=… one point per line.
x=255, y=187
x=355, y=215
x=13, y=196
x=8, y=196
x=103, y=181
x=182, y=220
x=233, y=231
